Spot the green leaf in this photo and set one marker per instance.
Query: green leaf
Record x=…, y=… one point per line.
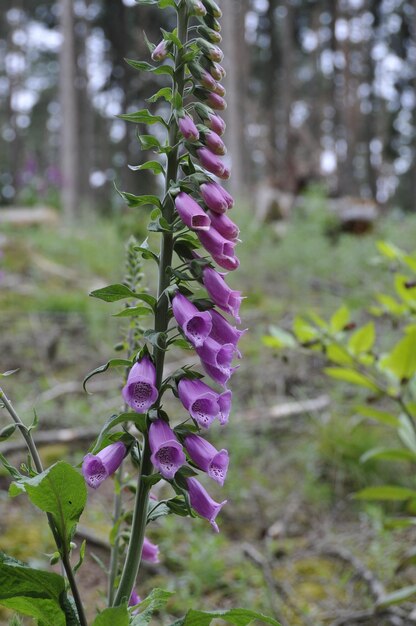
x=113, y=293
x=239, y=617
x=164, y=92
x=338, y=354
x=81, y=556
x=304, y=332
x=397, y=597
x=157, y=339
x=154, y=166
x=32, y=592
x=133, y=311
x=386, y=492
x=390, y=305
x=136, y=201
x=142, y=117
x=340, y=319
x=7, y=432
x=156, y=600
x=139, y=420
x=60, y=490
x=362, y=340
x=148, y=142
x=105, y=367
x=389, y=250
x=388, y=454
x=115, y=616
x=405, y=294
x=146, y=67
x=350, y=376
x=402, y=358
x=279, y=338
x=380, y=416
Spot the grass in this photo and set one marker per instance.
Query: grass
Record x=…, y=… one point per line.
x=55, y=333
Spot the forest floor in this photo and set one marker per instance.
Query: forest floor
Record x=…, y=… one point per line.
x=292, y=532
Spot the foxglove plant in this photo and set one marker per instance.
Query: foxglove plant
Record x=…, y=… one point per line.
x=196, y=236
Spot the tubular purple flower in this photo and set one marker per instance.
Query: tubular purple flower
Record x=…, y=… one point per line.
x=202, y=502
x=167, y=454
x=150, y=551
x=161, y=51
x=211, y=162
x=219, y=375
x=187, y=128
x=97, y=467
x=223, y=296
x=224, y=226
x=140, y=391
x=214, y=143
x=224, y=400
x=213, y=198
x=216, y=360
x=134, y=599
x=195, y=324
x=202, y=402
x=207, y=458
x=223, y=332
x=191, y=214
x=229, y=263
x=216, y=244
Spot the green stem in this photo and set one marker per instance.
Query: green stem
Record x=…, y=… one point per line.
x=134, y=550
x=115, y=548
x=39, y=468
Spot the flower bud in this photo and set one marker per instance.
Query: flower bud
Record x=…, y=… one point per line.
x=217, y=124
x=161, y=51
x=212, y=8
x=214, y=143
x=211, y=22
x=212, y=162
x=196, y=7
x=212, y=99
x=213, y=197
x=210, y=50
x=202, y=75
x=225, y=226
x=209, y=34
x=219, y=89
x=215, y=69
x=187, y=128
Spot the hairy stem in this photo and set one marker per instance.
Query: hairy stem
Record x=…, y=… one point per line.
x=134, y=550
x=39, y=468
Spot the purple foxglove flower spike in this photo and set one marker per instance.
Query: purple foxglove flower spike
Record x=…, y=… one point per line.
x=215, y=143
x=150, y=552
x=195, y=324
x=202, y=502
x=191, y=213
x=187, y=128
x=213, y=198
x=225, y=226
x=202, y=402
x=226, y=298
x=167, y=454
x=97, y=467
x=140, y=391
x=203, y=454
x=229, y=263
x=223, y=332
x=215, y=243
x=161, y=51
x=211, y=162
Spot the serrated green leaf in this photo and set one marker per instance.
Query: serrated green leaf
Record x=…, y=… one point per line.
x=362, y=340
x=114, y=616
x=133, y=311
x=32, y=592
x=164, y=92
x=138, y=419
x=238, y=617
x=386, y=492
x=350, y=376
x=142, y=117
x=60, y=490
x=155, y=601
x=105, y=367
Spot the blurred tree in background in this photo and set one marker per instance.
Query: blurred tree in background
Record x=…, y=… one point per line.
x=322, y=90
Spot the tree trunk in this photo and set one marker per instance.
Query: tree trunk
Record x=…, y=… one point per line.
x=69, y=131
